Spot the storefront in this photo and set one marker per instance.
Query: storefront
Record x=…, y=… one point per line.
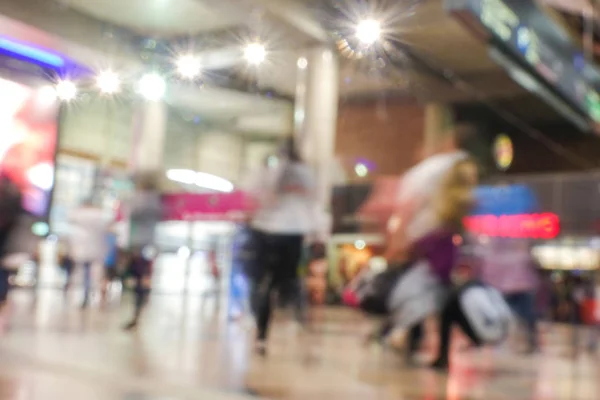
x=349, y=254
x=79, y=179
x=561, y=221
x=30, y=116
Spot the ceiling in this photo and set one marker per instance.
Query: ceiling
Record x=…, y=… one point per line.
x=424, y=28
x=429, y=46
x=159, y=17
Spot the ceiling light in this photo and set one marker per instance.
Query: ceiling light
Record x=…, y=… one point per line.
x=152, y=87
x=46, y=95
x=361, y=170
x=255, y=53
x=32, y=53
x=41, y=176
x=213, y=182
x=66, y=90
x=302, y=63
x=200, y=179
x=368, y=31
x=184, y=252
x=188, y=66
x=108, y=82
x=360, y=244
x=185, y=176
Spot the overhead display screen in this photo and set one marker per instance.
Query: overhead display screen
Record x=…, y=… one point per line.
x=537, y=42
x=28, y=139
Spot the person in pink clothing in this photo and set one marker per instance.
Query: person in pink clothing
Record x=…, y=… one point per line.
x=508, y=266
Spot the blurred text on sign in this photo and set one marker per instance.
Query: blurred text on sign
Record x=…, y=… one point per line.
x=521, y=226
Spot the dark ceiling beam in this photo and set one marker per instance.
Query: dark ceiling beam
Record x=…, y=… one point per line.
x=558, y=18
x=578, y=7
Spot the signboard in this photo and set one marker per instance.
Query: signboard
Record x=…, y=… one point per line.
x=503, y=152
x=505, y=200
x=206, y=206
x=520, y=226
x=28, y=142
x=532, y=37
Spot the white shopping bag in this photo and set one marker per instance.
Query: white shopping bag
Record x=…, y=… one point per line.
x=487, y=312
x=417, y=295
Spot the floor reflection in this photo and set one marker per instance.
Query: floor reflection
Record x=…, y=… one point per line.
x=187, y=349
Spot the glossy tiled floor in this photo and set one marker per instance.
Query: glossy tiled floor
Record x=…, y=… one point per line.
x=49, y=349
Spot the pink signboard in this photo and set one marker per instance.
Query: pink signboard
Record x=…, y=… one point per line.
x=206, y=206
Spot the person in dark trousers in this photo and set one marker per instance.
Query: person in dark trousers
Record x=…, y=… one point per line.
x=68, y=265
x=286, y=213
x=140, y=270
x=144, y=212
x=509, y=267
x=452, y=315
x=10, y=211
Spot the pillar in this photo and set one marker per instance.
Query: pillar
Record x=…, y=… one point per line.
x=315, y=116
x=439, y=121
x=148, y=144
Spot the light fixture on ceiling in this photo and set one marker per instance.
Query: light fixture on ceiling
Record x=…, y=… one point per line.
x=184, y=252
x=108, y=82
x=152, y=87
x=361, y=170
x=185, y=176
x=41, y=176
x=213, y=182
x=368, y=31
x=66, y=90
x=46, y=95
x=255, y=53
x=32, y=53
x=200, y=179
x=302, y=63
x=188, y=66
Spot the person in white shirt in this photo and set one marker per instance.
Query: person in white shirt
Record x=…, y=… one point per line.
x=87, y=241
x=285, y=214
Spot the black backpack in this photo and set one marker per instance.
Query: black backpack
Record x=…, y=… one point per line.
x=375, y=293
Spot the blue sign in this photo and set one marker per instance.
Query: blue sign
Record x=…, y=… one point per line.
x=505, y=200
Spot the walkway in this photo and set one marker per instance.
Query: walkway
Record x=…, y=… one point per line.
x=49, y=349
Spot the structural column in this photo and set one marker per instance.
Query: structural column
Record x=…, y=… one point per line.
x=439, y=121
x=148, y=142
x=315, y=117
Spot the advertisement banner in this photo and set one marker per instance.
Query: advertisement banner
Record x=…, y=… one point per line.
x=28, y=122
x=206, y=206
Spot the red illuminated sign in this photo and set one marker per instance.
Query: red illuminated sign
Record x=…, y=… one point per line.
x=522, y=226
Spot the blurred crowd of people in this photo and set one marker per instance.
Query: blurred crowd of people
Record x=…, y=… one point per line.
x=429, y=272
x=92, y=240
